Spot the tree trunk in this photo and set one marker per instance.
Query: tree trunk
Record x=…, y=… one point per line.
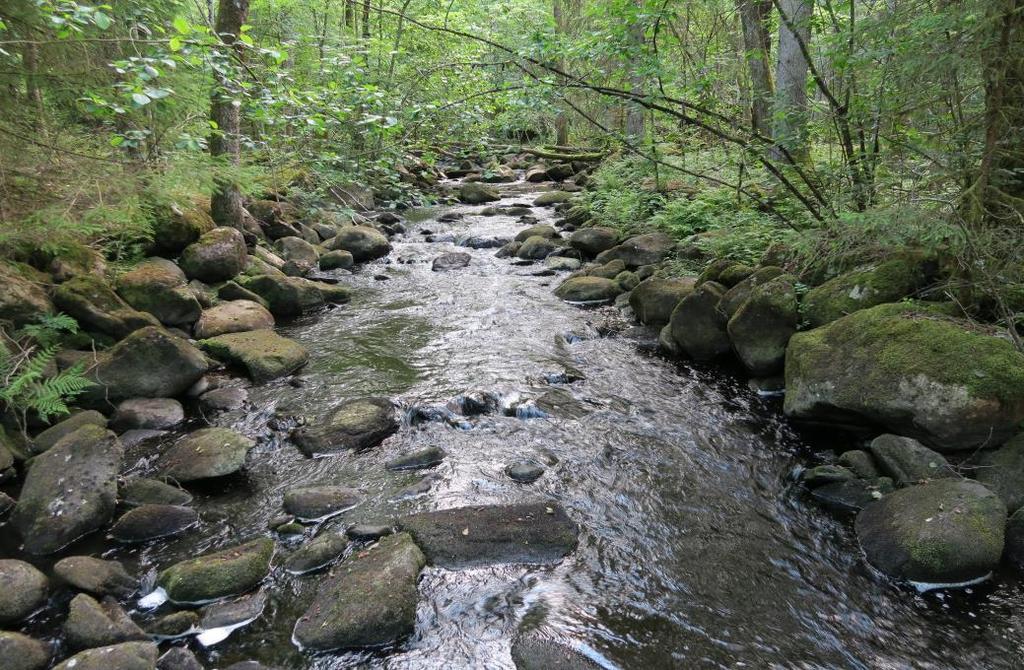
x=1001, y=174
x=350, y=15
x=754, y=15
x=226, y=203
x=635, y=113
x=790, y=113
x=561, y=119
x=366, y=19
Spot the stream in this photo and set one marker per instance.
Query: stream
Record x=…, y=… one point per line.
x=696, y=550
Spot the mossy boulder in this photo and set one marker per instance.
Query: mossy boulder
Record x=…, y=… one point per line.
x=609, y=270
x=144, y=491
x=263, y=354
x=22, y=299
x=944, y=532
x=363, y=242
x=149, y=522
x=205, y=454
x=96, y=576
x=888, y=281
x=907, y=461
x=588, y=289
x=1002, y=471
x=69, y=491
x=696, y=324
x=911, y=370
x=148, y=414
x=96, y=307
x=59, y=431
x=220, y=574
x=593, y=240
x=95, y=624
x=234, y=316
x=286, y=296
x=23, y=590
x=21, y=652
x=317, y=553
x=69, y=260
x=640, y=250
x=216, y=256
x=354, y=425
x=368, y=601
x=734, y=274
x=654, y=299
x=738, y=294
x=178, y=225
x=475, y=193
x=124, y=656
x=158, y=286
x=761, y=328
x=542, y=230
x=296, y=251
x=536, y=248
x=551, y=198
x=339, y=259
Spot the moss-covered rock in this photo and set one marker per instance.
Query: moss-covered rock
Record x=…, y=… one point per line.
x=286, y=296
x=1002, y=471
x=474, y=193
x=59, y=431
x=143, y=491
x=159, y=287
x=696, y=324
x=536, y=248
x=588, y=289
x=21, y=652
x=205, y=454
x=235, y=316
x=93, y=624
x=363, y=242
x=176, y=226
x=124, y=656
x=216, y=256
x=22, y=299
x=263, y=354
x=551, y=198
x=312, y=503
x=944, y=532
x=908, y=461
x=354, y=425
x=96, y=576
x=760, y=329
x=317, y=553
x=911, y=370
x=70, y=260
x=593, y=240
x=149, y=522
x=220, y=574
x=542, y=230
x=23, y=590
x=738, y=294
x=339, y=259
x=888, y=281
x=640, y=250
x=537, y=653
x=96, y=307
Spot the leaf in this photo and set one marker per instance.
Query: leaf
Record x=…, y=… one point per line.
x=140, y=99
x=157, y=93
x=246, y=39
x=101, y=20
x=181, y=25
x=174, y=44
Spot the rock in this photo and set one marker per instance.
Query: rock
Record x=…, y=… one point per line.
x=218, y=255
x=314, y=503
x=223, y=399
x=943, y=532
x=142, y=491
x=609, y=270
x=7, y=503
x=508, y=250
x=733, y=274
x=298, y=250
x=22, y=299
x=93, y=624
x=908, y=461
x=889, y=281
x=69, y=491
x=333, y=294
x=551, y=198
x=354, y=425
x=639, y=250
x=149, y=522
x=627, y=281
x=536, y=248
x=316, y=554
x=263, y=354
x=91, y=302
x=545, y=231
x=654, y=299
x=760, y=329
x=697, y=326
x=286, y=296
x=562, y=264
x=236, y=316
x=174, y=625
x=735, y=297
x=21, y=652
x=150, y=413
x=368, y=601
x=231, y=290
x=365, y=532
x=58, y=431
x=499, y=174
x=96, y=576
x=911, y=371
x=524, y=472
x=450, y=261
x=860, y=463
x=363, y=242
x=524, y=533
x=220, y=574
x=136, y=436
x=667, y=344
x=594, y=240
x=178, y=658
x=474, y=193
x=539, y=654
x=825, y=474
x=159, y=287
x=1014, y=550
x=149, y=363
x=588, y=289
x=852, y=495
x=178, y=225
x=206, y=453
x=427, y=457
x=220, y=619
x=124, y=656
x=337, y=259
x=1002, y=471
x=23, y=590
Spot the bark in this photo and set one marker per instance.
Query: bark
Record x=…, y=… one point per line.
x=226, y=202
x=635, y=113
x=790, y=113
x=350, y=15
x=561, y=119
x=754, y=15
x=366, y=19
x=1001, y=173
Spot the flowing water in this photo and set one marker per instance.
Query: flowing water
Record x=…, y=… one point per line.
x=696, y=550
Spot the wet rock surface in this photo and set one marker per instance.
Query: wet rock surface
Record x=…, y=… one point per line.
x=219, y=574
x=204, y=454
x=23, y=590
x=353, y=425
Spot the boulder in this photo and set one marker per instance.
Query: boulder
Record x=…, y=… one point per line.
x=150, y=522
x=944, y=532
x=450, y=261
x=427, y=457
x=332, y=294
x=91, y=302
x=235, y=316
x=363, y=242
x=912, y=371
x=148, y=413
x=594, y=240
x=216, y=256
x=124, y=656
x=21, y=652
x=908, y=461
x=551, y=198
x=206, y=453
x=69, y=491
x=317, y=553
x=23, y=590
x=142, y=491
x=178, y=225
x=738, y=294
x=654, y=299
x=337, y=259
x=588, y=289
x=159, y=287
x=639, y=250
x=149, y=363
x=760, y=329
x=22, y=299
x=354, y=425
x=734, y=273
x=535, y=653
x=93, y=624
x=178, y=658
x=96, y=576
x=231, y=290
x=1002, y=471
x=889, y=281
x=298, y=250
x=228, y=572
x=368, y=601
x=696, y=324
x=474, y=193
x=543, y=230
x=263, y=354
x=286, y=296
x=536, y=533
x=536, y=248
x=70, y=259
x=314, y=503
x=562, y=264
x=224, y=399
x=58, y=431
x=627, y=281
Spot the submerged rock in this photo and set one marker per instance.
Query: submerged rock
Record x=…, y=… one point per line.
x=206, y=453
x=450, y=261
x=23, y=590
x=524, y=472
x=588, y=289
x=21, y=652
x=426, y=457
x=654, y=299
x=216, y=256
x=943, y=532
x=263, y=354
x=310, y=503
x=69, y=491
x=908, y=461
x=697, y=326
x=220, y=574
x=94, y=624
x=95, y=575
x=235, y=316
x=149, y=522
x=524, y=533
x=353, y=425
x=124, y=656
x=158, y=286
x=143, y=491
x=316, y=554
x=534, y=653
x=368, y=601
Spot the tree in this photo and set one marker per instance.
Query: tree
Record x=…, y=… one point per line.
x=635, y=113
x=225, y=112
x=790, y=111
x=754, y=16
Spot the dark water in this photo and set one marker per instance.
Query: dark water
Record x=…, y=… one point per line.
x=695, y=551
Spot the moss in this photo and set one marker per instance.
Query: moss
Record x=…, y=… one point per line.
x=264, y=354
x=224, y=573
x=886, y=282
